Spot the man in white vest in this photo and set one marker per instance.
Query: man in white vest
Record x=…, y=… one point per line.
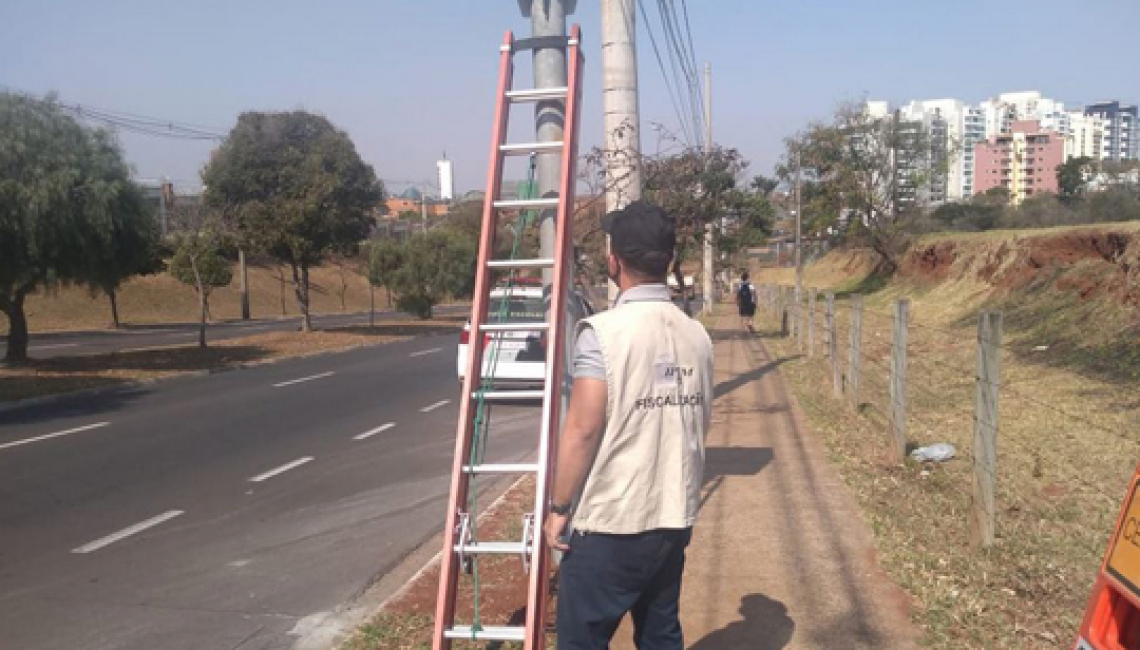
x=631, y=455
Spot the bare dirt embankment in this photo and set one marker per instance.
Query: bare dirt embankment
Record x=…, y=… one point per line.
x=1068, y=435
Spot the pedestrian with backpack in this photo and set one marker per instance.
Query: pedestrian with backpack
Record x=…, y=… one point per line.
x=746, y=301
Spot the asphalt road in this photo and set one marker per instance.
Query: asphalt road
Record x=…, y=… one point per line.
x=79, y=343
x=227, y=511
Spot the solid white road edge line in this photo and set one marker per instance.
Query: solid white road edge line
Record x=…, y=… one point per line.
x=309, y=378
x=280, y=470
x=380, y=429
x=428, y=409
x=57, y=434
x=127, y=532
x=423, y=352
x=53, y=346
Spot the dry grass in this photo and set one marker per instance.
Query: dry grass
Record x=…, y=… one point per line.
x=1066, y=449
x=161, y=299
x=1000, y=235
x=66, y=374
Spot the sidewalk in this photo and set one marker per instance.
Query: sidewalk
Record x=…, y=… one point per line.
x=780, y=557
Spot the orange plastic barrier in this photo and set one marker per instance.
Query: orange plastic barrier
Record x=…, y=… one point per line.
x=1112, y=620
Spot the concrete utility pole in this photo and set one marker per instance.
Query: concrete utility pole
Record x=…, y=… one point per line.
x=548, y=19
x=799, y=233
x=622, y=118
x=707, y=284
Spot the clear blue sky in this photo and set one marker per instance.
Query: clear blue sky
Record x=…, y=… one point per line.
x=408, y=79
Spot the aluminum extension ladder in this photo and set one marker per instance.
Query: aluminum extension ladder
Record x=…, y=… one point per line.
x=459, y=547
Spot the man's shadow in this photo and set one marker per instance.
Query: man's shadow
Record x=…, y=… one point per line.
x=766, y=626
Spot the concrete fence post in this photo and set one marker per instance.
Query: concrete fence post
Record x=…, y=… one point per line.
x=793, y=322
x=801, y=321
x=833, y=347
x=828, y=314
x=785, y=315
x=855, y=355
x=811, y=323
x=897, y=408
x=986, y=420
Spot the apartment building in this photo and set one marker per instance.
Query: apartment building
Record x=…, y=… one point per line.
x=1119, y=140
x=955, y=128
x=1023, y=160
x=1085, y=136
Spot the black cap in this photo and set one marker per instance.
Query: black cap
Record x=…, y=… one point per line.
x=643, y=236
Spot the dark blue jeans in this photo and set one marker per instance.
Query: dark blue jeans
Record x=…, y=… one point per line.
x=604, y=576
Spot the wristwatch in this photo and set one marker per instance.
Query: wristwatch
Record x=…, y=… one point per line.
x=561, y=508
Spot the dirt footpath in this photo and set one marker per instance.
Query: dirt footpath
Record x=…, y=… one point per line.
x=781, y=557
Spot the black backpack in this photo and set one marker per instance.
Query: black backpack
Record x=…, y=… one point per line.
x=744, y=294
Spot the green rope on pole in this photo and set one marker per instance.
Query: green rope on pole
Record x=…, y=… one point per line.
x=483, y=410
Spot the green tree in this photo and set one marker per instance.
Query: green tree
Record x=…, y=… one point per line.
x=385, y=258
x=764, y=184
x=877, y=172
x=1116, y=203
x=132, y=248
x=64, y=192
x=1072, y=175
x=698, y=189
x=199, y=261
x=435, y=265
x=293, y=186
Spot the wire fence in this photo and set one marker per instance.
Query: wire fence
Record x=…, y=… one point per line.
x=1043, y=455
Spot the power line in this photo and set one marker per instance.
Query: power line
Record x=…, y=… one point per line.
x=673, y=95
x=133, y=123
x=679, y=53
x=171, y=131
x=687, y=45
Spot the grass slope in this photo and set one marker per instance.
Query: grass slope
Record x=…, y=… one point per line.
x=161, y=299
x=1070, y=422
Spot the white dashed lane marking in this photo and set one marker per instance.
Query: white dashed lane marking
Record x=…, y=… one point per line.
x=127, y=532
x=380, y=429
x=280, y=470
x=424, y=352
x=28, y=441
x=304, y=379
x=432, y=407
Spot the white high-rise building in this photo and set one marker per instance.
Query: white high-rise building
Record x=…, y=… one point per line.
x=1001, y=111
x=1085, y=136
x=446, y=179
x=955, y=127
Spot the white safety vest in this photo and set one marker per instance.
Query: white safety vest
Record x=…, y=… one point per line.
x=650, y=465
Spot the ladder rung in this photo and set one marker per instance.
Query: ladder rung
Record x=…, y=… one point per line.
x=501, y=468
x=523, y=204
x=537, y=94
x=487, y=633
x=539, y=263
x=527, y=148
x=514, y=327
x=510, y=394
x=492, y=548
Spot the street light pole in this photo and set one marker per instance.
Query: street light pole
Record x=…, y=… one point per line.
x=707, y=284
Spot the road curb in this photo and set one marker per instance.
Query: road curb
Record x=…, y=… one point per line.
x=390, y=587
x=45, y=400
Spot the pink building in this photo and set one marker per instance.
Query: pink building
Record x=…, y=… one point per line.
x=1024, y=161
